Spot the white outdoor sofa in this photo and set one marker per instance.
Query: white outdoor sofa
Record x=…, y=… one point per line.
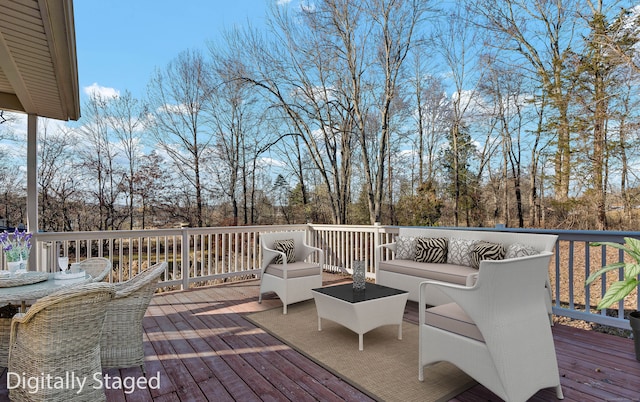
x=403, y=272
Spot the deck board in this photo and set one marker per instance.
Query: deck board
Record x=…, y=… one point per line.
x=205, y=350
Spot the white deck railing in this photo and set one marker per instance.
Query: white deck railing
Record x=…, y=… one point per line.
x=209, y=255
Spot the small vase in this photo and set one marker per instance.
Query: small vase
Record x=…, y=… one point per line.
x=17, y=266
x=359, y=276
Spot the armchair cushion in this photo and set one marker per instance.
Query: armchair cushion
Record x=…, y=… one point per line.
x=405, y=248
x=459, y=252
x=296, y=269
x=485, y=250
x=432, y=250
x=286, y=246
x=450, y=317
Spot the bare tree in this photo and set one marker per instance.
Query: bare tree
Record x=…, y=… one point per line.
x=393, y=26
x=454, y=40
x=335, y=75
x=98, y=158
x=296, y=69
x=127, y=117
x=541, y=32
x=178, y=98
x=433, y=115
x=238, y=127
x=504, y=90
x=148, y=186
x=57, y=182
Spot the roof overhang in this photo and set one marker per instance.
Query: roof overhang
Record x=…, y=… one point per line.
x=38, y=62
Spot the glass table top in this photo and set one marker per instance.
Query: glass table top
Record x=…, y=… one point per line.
x=346, y=293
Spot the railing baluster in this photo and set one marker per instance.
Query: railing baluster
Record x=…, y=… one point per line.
x=185, y=266
x=572, y=305
x=587, y=272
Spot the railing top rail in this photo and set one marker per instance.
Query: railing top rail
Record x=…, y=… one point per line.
x=562, y=234
x=584, y=235
x=94, y=235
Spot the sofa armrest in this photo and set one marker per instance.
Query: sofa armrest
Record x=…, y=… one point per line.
x=390, y=246
x=471, y=279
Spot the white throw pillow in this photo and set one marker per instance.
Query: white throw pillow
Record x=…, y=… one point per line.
x=405, y=248
x=460, y=251
x=516, y=250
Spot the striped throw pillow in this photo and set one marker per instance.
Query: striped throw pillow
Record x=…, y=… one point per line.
x=433, y=250
x=486, y=251
x=287, y=247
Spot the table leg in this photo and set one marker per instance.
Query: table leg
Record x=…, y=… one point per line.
x=400, y=331
x=319, y=323
x=360, y=342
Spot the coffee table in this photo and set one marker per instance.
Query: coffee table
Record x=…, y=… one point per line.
x=361, y=311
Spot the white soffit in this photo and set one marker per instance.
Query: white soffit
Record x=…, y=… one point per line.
x=38, y=63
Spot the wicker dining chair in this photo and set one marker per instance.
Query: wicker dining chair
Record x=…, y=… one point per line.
x=6, y=314
x=122, y=339
x=97, y=267
x=58, y=336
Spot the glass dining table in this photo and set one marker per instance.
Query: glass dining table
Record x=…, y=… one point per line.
x=18, y=288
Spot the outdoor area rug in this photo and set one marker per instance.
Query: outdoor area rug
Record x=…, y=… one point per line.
x=387, y=368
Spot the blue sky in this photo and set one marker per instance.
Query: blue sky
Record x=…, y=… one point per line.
x=119, y=43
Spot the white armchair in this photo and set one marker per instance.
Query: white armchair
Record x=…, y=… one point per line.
x=293, y=279
x=497, y=331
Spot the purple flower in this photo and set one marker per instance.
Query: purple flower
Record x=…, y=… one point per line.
x=18, y=247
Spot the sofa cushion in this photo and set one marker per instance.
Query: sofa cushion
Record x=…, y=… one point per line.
x=516, y=250
x=405, y=248
x=439, y=272
x=450, y=317
x=296, y=269
x=432, y=250
x=286, y=246
x=484, y=250
x=460, y=251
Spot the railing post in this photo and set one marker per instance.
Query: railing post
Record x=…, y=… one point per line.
x=184, y=263
x=376, y=243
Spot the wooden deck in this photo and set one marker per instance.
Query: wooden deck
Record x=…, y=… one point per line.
x=204, y=350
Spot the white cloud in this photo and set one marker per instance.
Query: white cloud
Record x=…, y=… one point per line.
x=16, y=125
x=309, y=7
x=265, y=161
x=101, y=92
x=181, y=109
x=283, y=2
